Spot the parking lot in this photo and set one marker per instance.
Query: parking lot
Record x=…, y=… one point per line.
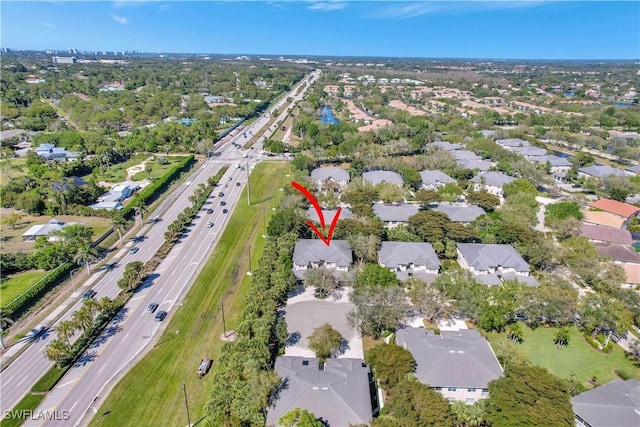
x=304, y=313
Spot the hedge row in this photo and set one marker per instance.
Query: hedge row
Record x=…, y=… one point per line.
x=151, y=192
x=20, y=305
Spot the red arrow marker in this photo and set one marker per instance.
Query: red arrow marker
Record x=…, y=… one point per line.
x=314, y=202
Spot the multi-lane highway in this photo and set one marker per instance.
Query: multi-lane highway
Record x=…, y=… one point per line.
x=127, y=337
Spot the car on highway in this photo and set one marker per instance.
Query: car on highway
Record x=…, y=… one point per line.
x=222, y=203
x=209, y=211
x=89, y=294
x=237, y=184
x=160, y=316
x=152, y=307
x=209, y=224
x=133, y=250
x=225, y=186
x=225, y=210
x=229, y=179
x=221, y=194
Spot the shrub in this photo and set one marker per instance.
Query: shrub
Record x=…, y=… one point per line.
x=625, y=375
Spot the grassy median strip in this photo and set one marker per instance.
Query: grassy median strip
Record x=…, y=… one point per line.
x=151, y=393
x=22, y=411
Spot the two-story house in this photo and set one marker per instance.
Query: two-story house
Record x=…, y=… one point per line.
x=491, y=263
x=434, y=179
x=394, y=215
x=378, y=177
x=330, y=179
x=410, y=259
x=457, y=364
x=314, y=253
x=614, y=404
x=461, y=214
x=491, y=182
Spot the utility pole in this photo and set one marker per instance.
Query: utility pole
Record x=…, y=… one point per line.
x=249, y=273
x=184, y=389
x=224, y=324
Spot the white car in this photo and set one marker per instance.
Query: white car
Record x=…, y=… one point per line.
x=209, y=224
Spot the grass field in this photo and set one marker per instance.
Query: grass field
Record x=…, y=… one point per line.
x=118, y=172
x=18, y=283
x=12, y=238
x=151, y=393
x=578, y=358
x=15, y=168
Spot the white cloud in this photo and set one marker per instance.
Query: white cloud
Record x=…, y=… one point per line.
x=326, y=6
x=120, y=19
x=125, y=3
x=47, y=24
x=402, y=9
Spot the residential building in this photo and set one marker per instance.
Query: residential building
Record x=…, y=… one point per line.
x=410, y=259
x=465, y=155
x=619, y=209
x=462, y=214
x=489, y=133
x=457, y=364
x=599, y=171
x=118, y=193
x=529, y=151
x=445, y=146
x=51, y=152
x=492, y=182
x=614, y=404
x=46, y=230
x=330, y=178
x=602, y=218
x=328, y=214
x=434, y=179
x=480, y=165
x=491, y=263
x=337, y=391
x=108, y=206
x=633, y=170
x=512, y=143
x=314, y=253
x=378, y=177
x=602, y=234
x=64, y=59
x=394, y=215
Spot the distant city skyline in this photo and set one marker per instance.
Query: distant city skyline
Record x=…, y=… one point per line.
x=519, y=30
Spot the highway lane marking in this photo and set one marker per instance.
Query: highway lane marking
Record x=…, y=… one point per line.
x=9, y=380
x=68, y=382
x=103, y=366
x=125, y=337
x=133, y=299
x=23, y=380
x=73, y=406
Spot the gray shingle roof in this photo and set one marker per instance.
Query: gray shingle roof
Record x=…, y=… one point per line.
x=395, y=254
x=530, y=151
x=452, y=359
x=444, y=145
x=615, y=404
x=527, y=280
x=339, y=394
x=435, y=177
x=460, y=213
x=481, y=165
x=600, y=171
x=494, y=179
x=553, y=160
x=333, y=173
x=400, y=213
x=484, y=257
x=312, y=214
x=378, y=177
x=465, y=155
x=635, y=169
x=512, y=142
x=488, y=279
x=314, y=250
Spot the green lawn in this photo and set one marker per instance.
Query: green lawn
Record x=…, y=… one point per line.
x=15, y=168
x=118, y=172
x=151, y=393
x=578, y=358
x=157, y=170
x=18, y=283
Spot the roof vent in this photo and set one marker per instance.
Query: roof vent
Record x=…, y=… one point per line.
x=315, y=388
x=460, y=351
x=325, y=388
x=452, y=351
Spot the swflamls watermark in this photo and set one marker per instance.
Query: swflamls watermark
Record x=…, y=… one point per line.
x=28, y=414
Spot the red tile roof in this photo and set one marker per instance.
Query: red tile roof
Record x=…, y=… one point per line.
x=618, y=208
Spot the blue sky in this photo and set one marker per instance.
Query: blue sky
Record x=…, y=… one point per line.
x=539, y=29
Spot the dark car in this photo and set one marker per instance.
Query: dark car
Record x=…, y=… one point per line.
x=89, y=294
x=160, y=316
x=152, y=307
x=221, y=194
x=225, y=210
x=222, y=203
x=238, y=184
x=209, y=211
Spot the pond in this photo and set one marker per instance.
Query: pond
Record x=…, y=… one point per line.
x=326, y=115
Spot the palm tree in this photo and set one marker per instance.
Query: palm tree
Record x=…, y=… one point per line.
x=120, y=226
x=105, y=303
x=5, y=322
x=85, y=254
x=82, y=319
x=65, y=330
x=92, y=305
x=140, y=210
x=57, y=351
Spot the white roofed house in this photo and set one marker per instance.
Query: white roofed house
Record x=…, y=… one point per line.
x=46, y=230
x=410, y=259
x=434, y=179
x=378, y=177
x=330, y=178
x=113, y=199
x=490, y=264
x=394, y=215
x=457, y=364
x=491, y=182
x=314, y=253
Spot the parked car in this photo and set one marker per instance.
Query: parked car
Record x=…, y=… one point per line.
x=89, y=294
x=152, y=307
x=160, y=316
x=133, y=250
